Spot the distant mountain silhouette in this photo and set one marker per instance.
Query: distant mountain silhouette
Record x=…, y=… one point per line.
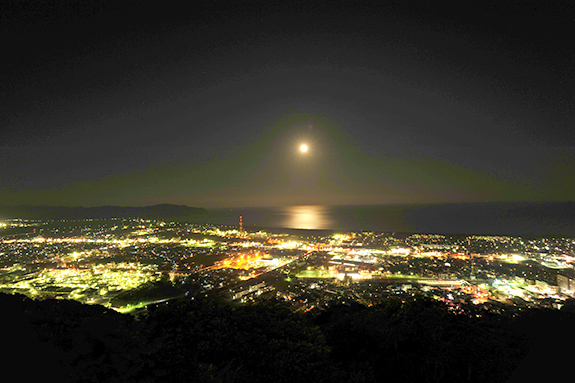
x=101, y=212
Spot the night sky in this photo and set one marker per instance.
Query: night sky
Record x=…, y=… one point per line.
x=205, y=103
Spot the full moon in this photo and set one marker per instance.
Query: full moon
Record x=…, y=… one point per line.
x=303, y=148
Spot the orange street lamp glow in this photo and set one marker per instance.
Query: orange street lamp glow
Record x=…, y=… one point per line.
x=303, y=148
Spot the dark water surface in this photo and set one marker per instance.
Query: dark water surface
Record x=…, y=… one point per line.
x=511, y=218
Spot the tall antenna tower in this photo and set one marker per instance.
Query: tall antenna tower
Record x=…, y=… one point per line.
x=241, y=224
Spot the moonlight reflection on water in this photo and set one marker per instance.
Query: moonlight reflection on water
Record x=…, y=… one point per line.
x=312, y=217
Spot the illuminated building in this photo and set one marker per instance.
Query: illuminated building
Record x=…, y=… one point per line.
x=566, y=285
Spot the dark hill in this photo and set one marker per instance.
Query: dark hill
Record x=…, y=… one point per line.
x=207, y=340
x=161, y=211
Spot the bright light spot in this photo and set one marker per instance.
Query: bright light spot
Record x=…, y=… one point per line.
x=303, y=148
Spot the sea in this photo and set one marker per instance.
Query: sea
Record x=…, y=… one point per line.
x=483, y=218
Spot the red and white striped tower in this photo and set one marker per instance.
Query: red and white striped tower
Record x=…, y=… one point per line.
x=241, y=224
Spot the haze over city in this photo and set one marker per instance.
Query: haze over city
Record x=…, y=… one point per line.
x=207, y=104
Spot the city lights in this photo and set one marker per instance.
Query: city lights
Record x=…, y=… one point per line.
x=96, y=263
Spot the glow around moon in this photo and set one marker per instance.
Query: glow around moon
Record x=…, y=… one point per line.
x=303, y=148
